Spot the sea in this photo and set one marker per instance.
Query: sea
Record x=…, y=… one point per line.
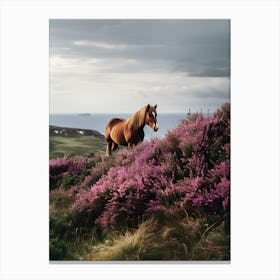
x=97, y=122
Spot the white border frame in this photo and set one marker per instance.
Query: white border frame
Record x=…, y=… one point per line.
x=255, y=138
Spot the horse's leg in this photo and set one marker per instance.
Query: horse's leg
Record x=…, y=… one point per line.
x=130, y=146
x=114, y=146
x=109, y=147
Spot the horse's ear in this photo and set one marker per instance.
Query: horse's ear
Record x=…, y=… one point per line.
x=147, y=107
x=155, y=106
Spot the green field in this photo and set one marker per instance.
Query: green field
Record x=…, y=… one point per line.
x=83, y=145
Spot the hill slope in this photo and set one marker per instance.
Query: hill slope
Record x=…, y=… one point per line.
x=166, y=199
x=74, y=141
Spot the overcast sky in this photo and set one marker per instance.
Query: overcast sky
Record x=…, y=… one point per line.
x=108, y=66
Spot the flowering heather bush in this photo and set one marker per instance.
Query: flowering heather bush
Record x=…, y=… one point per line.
x=189, y=169
x=59, y=166
x=68, y=171
x=123, y=191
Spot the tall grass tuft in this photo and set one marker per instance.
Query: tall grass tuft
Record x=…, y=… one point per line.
x=175, y=240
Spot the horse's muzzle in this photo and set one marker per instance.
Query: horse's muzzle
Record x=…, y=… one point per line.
x=156, y=128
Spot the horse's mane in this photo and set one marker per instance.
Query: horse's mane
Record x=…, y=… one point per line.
x=137, y=120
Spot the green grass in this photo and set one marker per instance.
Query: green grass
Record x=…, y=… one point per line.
x=180, y=240
x=75, y=145
x=121, y=247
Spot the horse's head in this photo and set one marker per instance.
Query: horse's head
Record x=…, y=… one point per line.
x=151, y=117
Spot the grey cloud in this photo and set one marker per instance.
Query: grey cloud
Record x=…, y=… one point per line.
x=197, y=47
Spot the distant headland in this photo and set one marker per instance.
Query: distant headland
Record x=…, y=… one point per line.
x=84, y=114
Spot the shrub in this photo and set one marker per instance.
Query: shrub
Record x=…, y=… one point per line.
x=58, y=232
x=67, y=171
x=187, y=169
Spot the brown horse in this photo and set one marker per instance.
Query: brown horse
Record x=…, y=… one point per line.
x=130, y=132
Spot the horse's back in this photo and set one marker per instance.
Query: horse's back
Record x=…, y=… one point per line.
x=114, y=121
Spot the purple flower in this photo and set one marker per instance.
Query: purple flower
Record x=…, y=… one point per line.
x=189, y=168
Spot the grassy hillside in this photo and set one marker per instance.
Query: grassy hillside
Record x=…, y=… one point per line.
x=74, y=141
x=166, y=199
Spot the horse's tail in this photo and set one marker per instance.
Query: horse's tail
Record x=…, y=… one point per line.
x=107, y=131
